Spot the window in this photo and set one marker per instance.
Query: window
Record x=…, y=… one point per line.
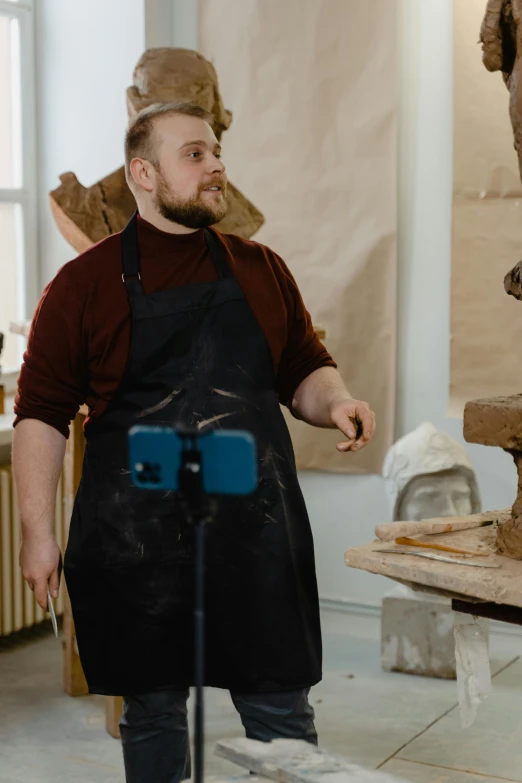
x=18, y=278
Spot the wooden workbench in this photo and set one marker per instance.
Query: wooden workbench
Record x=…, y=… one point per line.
x=498, y=586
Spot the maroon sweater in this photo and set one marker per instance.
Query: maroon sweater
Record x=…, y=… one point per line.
x=80, y=335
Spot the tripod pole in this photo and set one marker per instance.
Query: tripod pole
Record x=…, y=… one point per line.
x=199, y=617
x=200, y=511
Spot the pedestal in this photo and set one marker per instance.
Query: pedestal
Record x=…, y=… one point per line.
x=417, y=636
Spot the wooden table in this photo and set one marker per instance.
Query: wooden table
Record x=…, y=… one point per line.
x=501, y=586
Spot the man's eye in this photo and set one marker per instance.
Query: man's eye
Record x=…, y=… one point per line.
x=194, y=153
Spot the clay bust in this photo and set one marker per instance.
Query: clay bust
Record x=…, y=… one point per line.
x=87, y=215
x=496, y=421
x=501, y=52
x=501, y=38
x=429, y=474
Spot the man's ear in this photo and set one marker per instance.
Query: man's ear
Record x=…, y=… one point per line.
x=498, y=36
x=140, y=172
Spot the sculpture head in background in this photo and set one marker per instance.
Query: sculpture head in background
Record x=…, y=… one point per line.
x=429, y=474
x=164, y=75
x=173, y=75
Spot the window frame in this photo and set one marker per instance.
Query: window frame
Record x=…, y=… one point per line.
x=26, y=195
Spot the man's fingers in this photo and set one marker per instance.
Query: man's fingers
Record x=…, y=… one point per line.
x=345, y=445
x=369, y=430
x=367, y=419
x=350, y=428
x=54, y=583
x=345, y=423
x=356, y=444
x=357, y=422
x=40, y=593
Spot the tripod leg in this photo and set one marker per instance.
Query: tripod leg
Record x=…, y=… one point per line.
x=200, y=651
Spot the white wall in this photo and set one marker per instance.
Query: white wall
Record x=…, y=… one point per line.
x=185, y=23
x=86, y=51
x=172, y=23
x=158, y=22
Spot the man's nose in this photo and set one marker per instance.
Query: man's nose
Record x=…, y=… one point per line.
x=218, y=167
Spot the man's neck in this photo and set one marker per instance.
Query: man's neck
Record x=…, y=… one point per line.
x=156, y=219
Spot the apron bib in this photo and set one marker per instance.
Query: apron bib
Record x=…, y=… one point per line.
x=198, y=358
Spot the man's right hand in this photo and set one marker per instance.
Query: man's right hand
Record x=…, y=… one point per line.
x=40, y=561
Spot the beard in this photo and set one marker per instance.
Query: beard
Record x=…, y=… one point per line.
x=193, y=212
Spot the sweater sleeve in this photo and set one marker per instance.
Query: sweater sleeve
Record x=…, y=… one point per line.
x=304, y=352
x=52, y=382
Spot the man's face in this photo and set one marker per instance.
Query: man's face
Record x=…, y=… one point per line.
x=190, y=181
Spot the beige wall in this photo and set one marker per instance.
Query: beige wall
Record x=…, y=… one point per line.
x=312, y=85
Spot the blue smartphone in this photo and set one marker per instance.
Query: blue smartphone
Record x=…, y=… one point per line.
x=228, y=460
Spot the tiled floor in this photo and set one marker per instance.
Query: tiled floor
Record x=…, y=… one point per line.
x=407, y=726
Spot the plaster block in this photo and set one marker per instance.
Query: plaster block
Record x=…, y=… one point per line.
x=417, y=637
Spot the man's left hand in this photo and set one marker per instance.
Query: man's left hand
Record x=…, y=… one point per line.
x=356, y=420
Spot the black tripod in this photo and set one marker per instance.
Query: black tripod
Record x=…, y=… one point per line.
x=229, y=460
x=200, y=510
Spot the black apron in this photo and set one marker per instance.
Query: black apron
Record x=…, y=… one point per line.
x=198, y=357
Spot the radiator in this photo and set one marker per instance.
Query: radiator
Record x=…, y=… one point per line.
x=18, y=607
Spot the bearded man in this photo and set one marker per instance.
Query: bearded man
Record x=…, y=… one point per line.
x=170, y=322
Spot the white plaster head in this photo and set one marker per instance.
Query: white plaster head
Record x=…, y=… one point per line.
x=429, y=474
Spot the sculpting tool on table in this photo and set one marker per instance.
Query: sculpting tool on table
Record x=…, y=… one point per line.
x=440, y=558
x=427, y=527
x=441, y=547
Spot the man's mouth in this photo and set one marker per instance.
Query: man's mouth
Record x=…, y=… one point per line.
x=218, y=186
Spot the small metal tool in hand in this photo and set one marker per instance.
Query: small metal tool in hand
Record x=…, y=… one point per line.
x=52, y=612
x=440, y=558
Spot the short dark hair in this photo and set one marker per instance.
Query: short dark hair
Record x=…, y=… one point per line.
x=139, y=142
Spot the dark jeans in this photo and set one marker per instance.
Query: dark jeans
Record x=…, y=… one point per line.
x=154, y=730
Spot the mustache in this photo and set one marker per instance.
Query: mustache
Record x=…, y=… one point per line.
x=215, y=183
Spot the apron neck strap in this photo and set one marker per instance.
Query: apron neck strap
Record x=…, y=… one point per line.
x=131, y=261
x=218, y=256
